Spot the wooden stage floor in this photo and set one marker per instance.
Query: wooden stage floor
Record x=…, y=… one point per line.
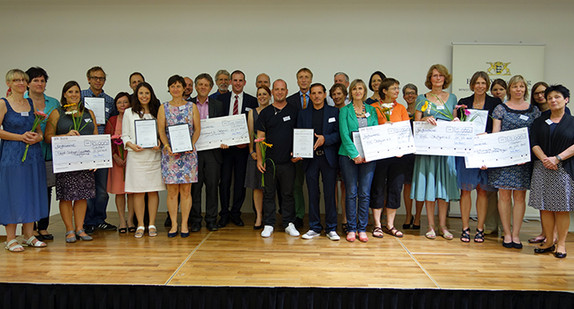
x=238, y=256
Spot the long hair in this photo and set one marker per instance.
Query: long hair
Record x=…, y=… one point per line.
x=153, y=102
x=67, y=86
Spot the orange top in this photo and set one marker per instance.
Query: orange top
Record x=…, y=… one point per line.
x=399, y=113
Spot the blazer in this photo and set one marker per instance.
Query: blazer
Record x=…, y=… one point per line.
x=215, y=110
x=349, y=124
x=249, y=102
x=330, y=131
x=489, y=104
x=295, y=100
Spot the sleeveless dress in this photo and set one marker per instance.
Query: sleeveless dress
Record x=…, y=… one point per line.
x=76, y=185
x=252, y=174
x=179, y=167
x=116, y=174
x=434, y=177
x=23, y=184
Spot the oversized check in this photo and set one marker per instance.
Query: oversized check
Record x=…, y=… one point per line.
x=229, y=130
x=445, y=139
x=76, y=153
x=387, y=140
x=500, y=149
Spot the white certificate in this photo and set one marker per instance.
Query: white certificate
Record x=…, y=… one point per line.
x=179, y=138
x=76, y=153
x=500, y=149
x=478, y=118
x=303, y=143
x=146, y=132
x=387, y=140
x=228, y=130
x=445, y=139
x=98, y=106
x=357, y=142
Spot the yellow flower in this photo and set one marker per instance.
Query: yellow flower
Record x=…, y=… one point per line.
x=268, y=145
x=70, y=105
x=425, y=106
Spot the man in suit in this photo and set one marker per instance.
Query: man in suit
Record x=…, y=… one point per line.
x=234, y=164
x=222, y=82
x=208, y=161
x=324, y=120
x=300, y=100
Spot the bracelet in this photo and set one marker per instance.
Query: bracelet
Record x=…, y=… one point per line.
x=558, y=157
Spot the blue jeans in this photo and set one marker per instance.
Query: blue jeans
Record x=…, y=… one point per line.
x=97, y=206
x=358, y=178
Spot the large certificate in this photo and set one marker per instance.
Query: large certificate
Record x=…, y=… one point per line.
x=478, y=118
x=445, y=139
x=146, y=132
x=76, y=153
x=98, y=106
x=387, y=140
x=303, y=143
x=500, y=149
x=179, y=138
x=228, y=130
x=358, y=144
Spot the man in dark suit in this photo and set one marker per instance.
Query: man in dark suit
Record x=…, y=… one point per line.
x=208, y=161
x=324, y=120
x=300, y=100
x=234, y=164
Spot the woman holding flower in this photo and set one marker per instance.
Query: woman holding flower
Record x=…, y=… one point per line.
x=23, y=180
x=389, y=173
x=117, y=174
x=434, y=177
x=73, y=188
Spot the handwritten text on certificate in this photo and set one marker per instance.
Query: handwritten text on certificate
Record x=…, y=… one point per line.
x=229, y=130
x=76, y=153
x=387, y=140
x=500, y=149
x=444, y=139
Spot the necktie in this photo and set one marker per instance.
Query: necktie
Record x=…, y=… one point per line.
x=236, y=106
x=304, y=101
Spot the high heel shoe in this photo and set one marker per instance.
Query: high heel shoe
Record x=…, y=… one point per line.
x=72, y=239
x=409, y=225
x=84, y=238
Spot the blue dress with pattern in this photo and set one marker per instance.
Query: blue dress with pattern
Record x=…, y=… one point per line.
x=23, y=184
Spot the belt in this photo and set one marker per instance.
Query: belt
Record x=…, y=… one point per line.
x=319, y=152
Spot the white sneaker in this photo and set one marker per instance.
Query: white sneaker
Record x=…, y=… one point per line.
x=310, y=235
x=267, y=231
x=332, y=235
x=291, y=230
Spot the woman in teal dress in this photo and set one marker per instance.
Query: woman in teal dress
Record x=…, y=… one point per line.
x=434, y=177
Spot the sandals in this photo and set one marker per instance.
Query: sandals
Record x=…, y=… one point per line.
x=351, y=236
x=446, y=234
x=131, y=229
x=393, y=231
x=34, y=242
x=72, y=239
x=363, y=237
x=378, y=232
x=465, y=235
x=479, y=237
x=152, y=231
x=345, y=228
x=139, y=232
x=430, y=234
x=14, y=246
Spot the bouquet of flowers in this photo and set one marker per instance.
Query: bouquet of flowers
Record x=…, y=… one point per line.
x=77, y=120
x=444, y=111
x=263, y=147
x=386, y=109
x=39, y=116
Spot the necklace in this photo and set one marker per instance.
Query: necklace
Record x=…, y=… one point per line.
x=277, y=111
x=360, y=113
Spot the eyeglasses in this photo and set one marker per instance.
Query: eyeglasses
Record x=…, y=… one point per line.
x=97, y=78
x=19, y=80
x=539, y=93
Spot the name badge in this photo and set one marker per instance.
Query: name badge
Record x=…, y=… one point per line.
x=367, y=115
x=182, y=107
x=247, y=109
x=286, y=118
x=440, y=107
x=549, y=122
x=107, y=109
x=332, y=119
x=25, y=114
x=87, y=120
x=523, y=117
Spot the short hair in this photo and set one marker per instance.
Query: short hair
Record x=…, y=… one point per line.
x=533, y=89
x=338, y=86
x=67, y=86
x=204, y=76
x=238, y=72
x=279, y=80
x=174, y=79
x=385, y=84
x=442, y=70
x=264, y=88
x=344, y=74
x=263, y=74
x=356, y=83
x=304, y=70
x=10, y=75
x=34, y=72
x=378, y=73
x=318, y=85
x=95, y=69
x=476, y=76
x=515, y=80
x=153, y=101
x=121, y=95
x=137, y=73
x=499, y=81
x=410, y=86
x=222, y=72
x=558, y=88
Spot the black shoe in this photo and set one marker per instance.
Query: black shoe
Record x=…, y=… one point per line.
x=89, y=229
x=237, y=221
x=298, y=222
x=167, y=222
x=516, y=245
x=211, y=226
x=107, y=227
x=45, y=236
x=507, y=244
x=223, y=222
x=560, y=255
x=544, y=250
x=258, y=227
x=407, y=226
x=195, y=227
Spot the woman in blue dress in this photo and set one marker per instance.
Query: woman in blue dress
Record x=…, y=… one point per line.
x=434, y=177
x=23, y=188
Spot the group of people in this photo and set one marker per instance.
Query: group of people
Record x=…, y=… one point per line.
x=267, y=164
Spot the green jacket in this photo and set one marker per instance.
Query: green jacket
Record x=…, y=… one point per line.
x=348, y=124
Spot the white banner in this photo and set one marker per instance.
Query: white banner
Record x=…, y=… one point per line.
x=229, y=130
x=387, y=140
x=445, y=139
x=500, y=149
x=76, y=153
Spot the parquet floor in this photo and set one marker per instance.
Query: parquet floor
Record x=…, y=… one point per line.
x=238, y=256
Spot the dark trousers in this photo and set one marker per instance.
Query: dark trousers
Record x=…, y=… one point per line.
x=43, y=223
x=208, y=170
x=97, y=206
x=284, y=175
x=388, y=183
x=234, y=165
x=315, y=166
